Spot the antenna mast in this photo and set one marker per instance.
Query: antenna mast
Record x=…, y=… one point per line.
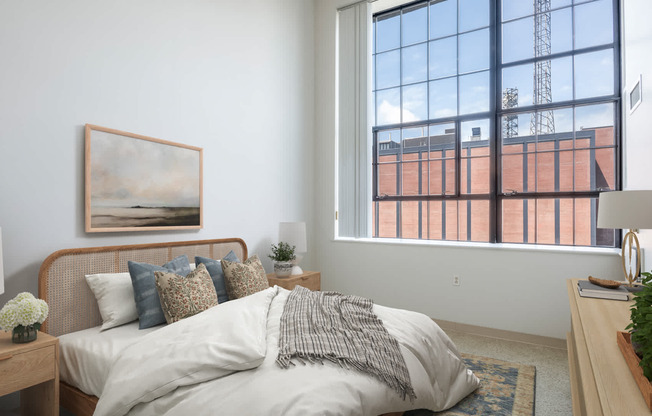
x=543, y=121
x=510, y=122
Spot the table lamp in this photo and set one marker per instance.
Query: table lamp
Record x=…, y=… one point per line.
x=631, y=210
x=2, y=275
x=294, y=233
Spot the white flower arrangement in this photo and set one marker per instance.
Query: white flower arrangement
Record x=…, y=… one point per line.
x=23, y=310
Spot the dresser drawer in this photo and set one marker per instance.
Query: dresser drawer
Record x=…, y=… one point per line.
x=26, y=369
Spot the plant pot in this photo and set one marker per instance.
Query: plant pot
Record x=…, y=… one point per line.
x=638, y=348
x=283, y=268
x=625, y=345
x=23, y=334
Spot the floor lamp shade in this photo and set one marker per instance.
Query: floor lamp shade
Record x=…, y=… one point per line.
x=293, y=233
x=2, y=275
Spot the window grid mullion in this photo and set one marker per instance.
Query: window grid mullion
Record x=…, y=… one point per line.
x=495, y=116
x=427, y=128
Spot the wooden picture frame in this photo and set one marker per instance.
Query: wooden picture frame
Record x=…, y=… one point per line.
x=139, y=183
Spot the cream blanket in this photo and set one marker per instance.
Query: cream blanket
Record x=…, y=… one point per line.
x=207, y=346
x=189, y=368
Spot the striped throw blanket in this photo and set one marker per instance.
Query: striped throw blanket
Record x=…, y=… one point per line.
x=342, y=329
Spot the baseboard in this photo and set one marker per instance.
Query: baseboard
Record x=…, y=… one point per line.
x=502, y=334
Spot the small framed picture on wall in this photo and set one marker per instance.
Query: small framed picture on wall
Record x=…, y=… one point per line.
x=635, y=95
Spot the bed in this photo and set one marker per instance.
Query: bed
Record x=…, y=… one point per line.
x=438, y=374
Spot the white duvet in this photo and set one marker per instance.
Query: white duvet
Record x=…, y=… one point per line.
x=222, y=361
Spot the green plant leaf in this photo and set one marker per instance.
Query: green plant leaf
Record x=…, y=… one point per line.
x=641, y=325
x=282, y=252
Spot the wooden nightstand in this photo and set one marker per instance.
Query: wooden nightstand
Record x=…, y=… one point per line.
x=34, y=369
x=309, y=280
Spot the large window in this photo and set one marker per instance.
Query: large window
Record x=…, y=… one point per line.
x=495, y=121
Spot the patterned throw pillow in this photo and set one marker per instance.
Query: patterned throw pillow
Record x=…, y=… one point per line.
x=244, y=279
x=182, y=297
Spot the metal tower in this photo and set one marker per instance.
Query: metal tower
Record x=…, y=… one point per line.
x=542, y=122
x=510, y=122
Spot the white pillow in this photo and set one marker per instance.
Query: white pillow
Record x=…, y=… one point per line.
x=115, y=298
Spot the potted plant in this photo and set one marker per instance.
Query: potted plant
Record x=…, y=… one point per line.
x=641, y=326
x=636, y=345
x=23, y=316
x=283, y=256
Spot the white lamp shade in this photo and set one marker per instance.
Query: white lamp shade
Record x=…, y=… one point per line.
x=2, y=275
x=293, y=233
x=625, y=209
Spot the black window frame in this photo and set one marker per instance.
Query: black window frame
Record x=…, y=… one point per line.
x=495, y=115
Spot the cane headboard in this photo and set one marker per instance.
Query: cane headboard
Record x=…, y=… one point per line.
x=61, y=281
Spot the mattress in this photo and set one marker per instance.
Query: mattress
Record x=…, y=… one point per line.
x=86, y=356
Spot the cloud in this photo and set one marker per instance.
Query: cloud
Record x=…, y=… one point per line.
x=128, y=171
x=391, y=114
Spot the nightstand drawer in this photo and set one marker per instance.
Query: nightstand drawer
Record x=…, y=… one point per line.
x=26, y=369
x=309, y=280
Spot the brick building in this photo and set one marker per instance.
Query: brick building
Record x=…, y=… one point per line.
x=546, y=163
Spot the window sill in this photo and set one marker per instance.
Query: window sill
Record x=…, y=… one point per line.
x=494, y=246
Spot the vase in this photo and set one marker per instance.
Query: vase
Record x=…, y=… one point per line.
x=283, y=268
x=23, y=334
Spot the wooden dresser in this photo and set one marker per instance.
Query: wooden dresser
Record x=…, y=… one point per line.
x=601, y=383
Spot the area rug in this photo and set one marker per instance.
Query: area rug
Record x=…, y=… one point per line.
x=506, y=389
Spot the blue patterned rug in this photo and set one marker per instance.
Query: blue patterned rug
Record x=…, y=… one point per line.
x=506, y=389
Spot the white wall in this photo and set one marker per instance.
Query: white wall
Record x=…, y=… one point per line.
x=512, y=289
x=236, y=78
x=637, y=152
x=232, y=77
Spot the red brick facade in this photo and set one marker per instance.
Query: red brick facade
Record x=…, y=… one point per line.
x=551, y=164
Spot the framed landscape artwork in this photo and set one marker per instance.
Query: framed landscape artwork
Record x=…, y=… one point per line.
x=138, y=183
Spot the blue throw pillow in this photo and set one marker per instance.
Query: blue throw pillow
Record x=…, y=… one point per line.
x=215, y=270
x=148, y=303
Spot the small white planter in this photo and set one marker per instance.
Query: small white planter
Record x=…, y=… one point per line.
x=283, y=268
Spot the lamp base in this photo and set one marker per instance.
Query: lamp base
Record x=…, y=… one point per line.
x=633, y=289
x=296, y=270
x=631, y=244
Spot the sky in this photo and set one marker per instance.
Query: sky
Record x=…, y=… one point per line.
x=126, y=171
x=460, y=62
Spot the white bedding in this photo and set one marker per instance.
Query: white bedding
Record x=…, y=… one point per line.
x=156, y=383
x=86, y=356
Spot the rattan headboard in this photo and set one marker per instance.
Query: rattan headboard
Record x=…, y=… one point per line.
x=61, y=281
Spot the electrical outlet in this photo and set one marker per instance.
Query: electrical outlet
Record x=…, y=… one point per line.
x=456, y=280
